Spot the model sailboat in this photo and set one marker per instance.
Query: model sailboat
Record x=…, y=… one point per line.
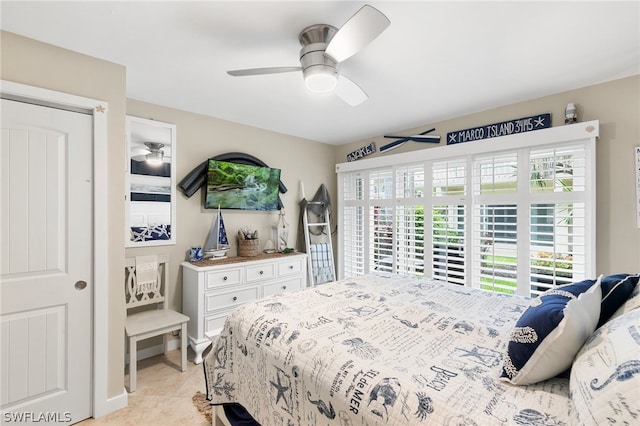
x=217, y=244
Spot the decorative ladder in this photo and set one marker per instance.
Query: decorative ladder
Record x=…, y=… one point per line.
x=317, y=236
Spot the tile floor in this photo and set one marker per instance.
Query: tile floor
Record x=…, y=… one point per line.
x=163, y=395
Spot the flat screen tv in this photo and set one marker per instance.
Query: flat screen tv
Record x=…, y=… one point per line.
x=241, y=186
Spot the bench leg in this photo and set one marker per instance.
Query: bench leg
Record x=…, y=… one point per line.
x=165, y=344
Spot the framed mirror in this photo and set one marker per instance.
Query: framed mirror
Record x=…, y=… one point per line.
x=150, y=212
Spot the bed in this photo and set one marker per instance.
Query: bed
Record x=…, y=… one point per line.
x=150, y=220
x=396, y=350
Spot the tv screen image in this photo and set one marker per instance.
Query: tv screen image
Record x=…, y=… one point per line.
x=241, y=186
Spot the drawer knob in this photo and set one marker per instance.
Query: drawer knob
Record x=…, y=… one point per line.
x=261, y=272
x=235, y=298
x=290, y=266
x=284, y=287
x=224, y=278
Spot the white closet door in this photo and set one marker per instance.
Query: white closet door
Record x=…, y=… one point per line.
x=46, y=276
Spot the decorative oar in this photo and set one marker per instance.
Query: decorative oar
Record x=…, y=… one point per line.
x=422, y=137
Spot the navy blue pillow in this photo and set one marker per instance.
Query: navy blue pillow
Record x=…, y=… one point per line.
x=615, y=291
x=550, y=332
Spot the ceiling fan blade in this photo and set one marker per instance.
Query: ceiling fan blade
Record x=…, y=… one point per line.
x=360, y=30
x=261, y=71
x=350, y=92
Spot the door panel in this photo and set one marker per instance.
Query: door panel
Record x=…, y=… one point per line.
x=40, y=335
x=46, y=224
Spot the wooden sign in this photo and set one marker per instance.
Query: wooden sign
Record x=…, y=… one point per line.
x=521, y=125
x=362, y=152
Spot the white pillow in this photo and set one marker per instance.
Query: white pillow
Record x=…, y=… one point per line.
x=551, y=331
x=605, y=377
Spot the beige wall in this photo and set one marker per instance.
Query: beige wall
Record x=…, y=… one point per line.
x=616, y=105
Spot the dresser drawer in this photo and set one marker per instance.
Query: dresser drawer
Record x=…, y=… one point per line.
x=261, y=272
x=218, y=300
x=220, y=278
x=292, y=267
x=282, y=287
x=214, y=323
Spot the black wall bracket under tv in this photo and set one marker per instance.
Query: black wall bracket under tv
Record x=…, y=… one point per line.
x=197, y=178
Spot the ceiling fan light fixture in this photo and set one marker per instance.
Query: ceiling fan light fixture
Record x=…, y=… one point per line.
x=156, y=154
x=321, y=79
x=155, y=157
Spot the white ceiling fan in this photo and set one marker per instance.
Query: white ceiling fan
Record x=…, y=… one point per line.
x=324, y=47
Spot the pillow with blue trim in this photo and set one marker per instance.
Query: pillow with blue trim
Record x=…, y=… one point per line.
x=615, y=291
x=605, y=377
x=551, y=331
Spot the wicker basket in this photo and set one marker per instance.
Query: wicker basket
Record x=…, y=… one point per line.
x=248, y=248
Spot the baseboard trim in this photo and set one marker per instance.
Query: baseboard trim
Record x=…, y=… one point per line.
x=114, y=404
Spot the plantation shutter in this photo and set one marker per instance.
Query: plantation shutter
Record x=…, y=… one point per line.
x=514, y=215
x=558, y=216
x=352, y=225
x=495, y=213
x=449, y=222
x=381, y=219
x=409, y=219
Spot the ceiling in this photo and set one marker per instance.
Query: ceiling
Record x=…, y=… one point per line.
x=437, y=60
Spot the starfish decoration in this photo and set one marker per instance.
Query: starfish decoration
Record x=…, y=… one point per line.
x=281, y=389
x=357, y=311
x=475, y=353
x=100, y=108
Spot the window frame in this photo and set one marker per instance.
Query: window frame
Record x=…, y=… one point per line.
x=580, y=134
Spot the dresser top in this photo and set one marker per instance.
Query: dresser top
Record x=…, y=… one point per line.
x=239, y=259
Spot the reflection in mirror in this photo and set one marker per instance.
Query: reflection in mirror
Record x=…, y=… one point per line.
x=150, y=213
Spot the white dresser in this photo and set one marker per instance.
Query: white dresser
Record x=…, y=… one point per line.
x=211, y=289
